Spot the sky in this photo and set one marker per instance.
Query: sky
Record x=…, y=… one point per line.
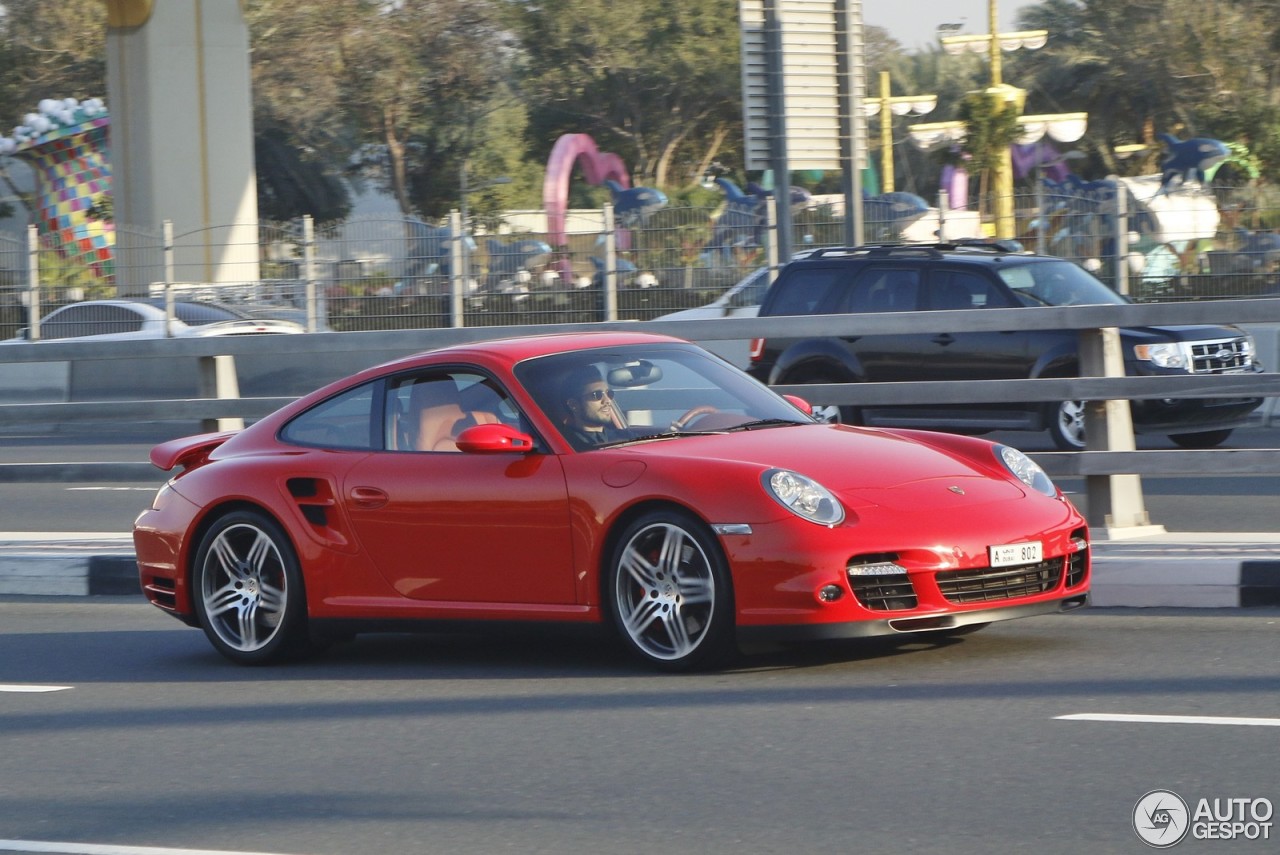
x=914, y=23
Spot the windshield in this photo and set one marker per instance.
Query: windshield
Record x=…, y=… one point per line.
x=1057, y=283
x=624, y=394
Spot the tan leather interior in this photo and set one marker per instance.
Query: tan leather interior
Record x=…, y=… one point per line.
x=434, y=411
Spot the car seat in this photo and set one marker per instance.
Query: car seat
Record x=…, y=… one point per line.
x=435, y=409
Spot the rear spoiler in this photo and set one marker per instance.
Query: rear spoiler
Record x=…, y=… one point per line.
x=188, y=451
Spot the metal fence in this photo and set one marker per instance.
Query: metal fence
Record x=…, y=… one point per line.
x=383, y=273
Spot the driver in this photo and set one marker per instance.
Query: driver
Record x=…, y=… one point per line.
x=593, y=417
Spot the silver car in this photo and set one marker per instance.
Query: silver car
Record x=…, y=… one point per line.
x=108, y=320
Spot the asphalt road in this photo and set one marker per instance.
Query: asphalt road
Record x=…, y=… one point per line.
x=1230, y=503
x=549, y=743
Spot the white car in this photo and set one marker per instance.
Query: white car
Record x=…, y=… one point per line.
x=742, y=300
x=111, y=320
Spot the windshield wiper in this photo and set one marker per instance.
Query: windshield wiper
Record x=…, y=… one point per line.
x=764, y=423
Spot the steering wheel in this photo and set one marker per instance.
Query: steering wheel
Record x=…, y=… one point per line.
x=700, y=410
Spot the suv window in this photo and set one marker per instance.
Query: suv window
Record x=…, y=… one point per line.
x=959, y=289
x=806, y=291
x=881, y=289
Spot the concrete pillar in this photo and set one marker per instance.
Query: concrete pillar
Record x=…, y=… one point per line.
x=178, y=88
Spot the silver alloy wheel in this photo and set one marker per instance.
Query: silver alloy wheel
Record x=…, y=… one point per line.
x=244, y=587
x=1069, y=430
x=827, y=414
x=665, y=591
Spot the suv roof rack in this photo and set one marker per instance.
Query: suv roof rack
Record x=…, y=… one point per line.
x=931, y=250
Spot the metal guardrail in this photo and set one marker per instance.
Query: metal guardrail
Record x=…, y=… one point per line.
x=380, y=346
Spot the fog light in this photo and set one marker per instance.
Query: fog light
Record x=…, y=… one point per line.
x=830, y=593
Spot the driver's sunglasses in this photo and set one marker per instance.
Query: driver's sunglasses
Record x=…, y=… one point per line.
x=599, y=394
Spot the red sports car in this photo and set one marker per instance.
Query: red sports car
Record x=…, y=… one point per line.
x=628, y=479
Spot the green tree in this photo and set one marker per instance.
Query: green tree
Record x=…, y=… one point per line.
x=47, y=50
x=1179, y=66
x=50, y=50
x=656, y=81
x=407, y=84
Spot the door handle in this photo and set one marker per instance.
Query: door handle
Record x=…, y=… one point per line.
x=945, y=338
x=369, y=497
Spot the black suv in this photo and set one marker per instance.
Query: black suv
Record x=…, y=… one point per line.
x=931, y=277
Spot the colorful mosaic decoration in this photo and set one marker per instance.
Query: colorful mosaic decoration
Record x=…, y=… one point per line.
x=66, y=144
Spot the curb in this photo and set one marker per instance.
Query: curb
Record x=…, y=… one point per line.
x=68, y=564
x=1204, y=570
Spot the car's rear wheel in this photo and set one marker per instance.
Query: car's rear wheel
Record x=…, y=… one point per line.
x=248, y=590
x=670, y=593
x=1203, y=439
x=1066, y=425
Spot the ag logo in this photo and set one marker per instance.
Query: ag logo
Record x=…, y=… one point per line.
x=1161, y=818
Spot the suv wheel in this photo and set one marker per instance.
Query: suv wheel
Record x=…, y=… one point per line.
x=1204, y=439
x=1066, y=425
x=833, y=414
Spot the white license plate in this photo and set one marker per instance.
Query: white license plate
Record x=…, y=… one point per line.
x=1013, y=554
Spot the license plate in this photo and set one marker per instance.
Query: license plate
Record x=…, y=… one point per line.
x=1013, y=554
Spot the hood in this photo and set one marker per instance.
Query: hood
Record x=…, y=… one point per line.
x=1187, y=332
x=862, y=465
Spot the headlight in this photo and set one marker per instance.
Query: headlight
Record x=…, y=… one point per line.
x=803, y=496
x=1026, y=470
x=1169, y=354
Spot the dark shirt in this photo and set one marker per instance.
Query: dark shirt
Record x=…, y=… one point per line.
x=583, y=439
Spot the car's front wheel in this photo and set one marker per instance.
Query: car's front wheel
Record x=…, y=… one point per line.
x=1203, y=439
x=670, y=593
x=248, y=590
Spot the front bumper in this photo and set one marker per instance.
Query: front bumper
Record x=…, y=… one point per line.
x=907, y=625
x=1192, y=415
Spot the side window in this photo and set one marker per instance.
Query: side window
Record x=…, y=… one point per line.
x=961, y=289
x=344, y=421
x=804, y=291
x=427, y=411
x=880, y=289
x=90, y=320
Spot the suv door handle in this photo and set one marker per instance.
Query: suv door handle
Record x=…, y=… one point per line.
x=944, y=339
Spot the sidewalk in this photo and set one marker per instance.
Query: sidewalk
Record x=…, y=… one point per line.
x=1165, y=569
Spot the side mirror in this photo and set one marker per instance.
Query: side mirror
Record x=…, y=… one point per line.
x=494, y=439
x=800, y=404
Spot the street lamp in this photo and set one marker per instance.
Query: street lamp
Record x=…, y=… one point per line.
x=888, y=107
x=1061, y=127
x=993, y=42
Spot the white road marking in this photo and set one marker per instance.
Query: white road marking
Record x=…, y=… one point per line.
x=98, y=849
x=1172, y=719
x=21, y=689
x=112, y=489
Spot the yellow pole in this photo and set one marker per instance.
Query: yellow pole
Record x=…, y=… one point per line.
x=1002, y=175
x=886, y=136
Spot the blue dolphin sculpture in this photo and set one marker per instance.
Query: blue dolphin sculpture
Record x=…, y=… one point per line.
x=1261, y=249
x=506, y=259
x=741, y=221
x=631, y=206
x=1188, y=159
x=428, y=250
x=893, y=212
